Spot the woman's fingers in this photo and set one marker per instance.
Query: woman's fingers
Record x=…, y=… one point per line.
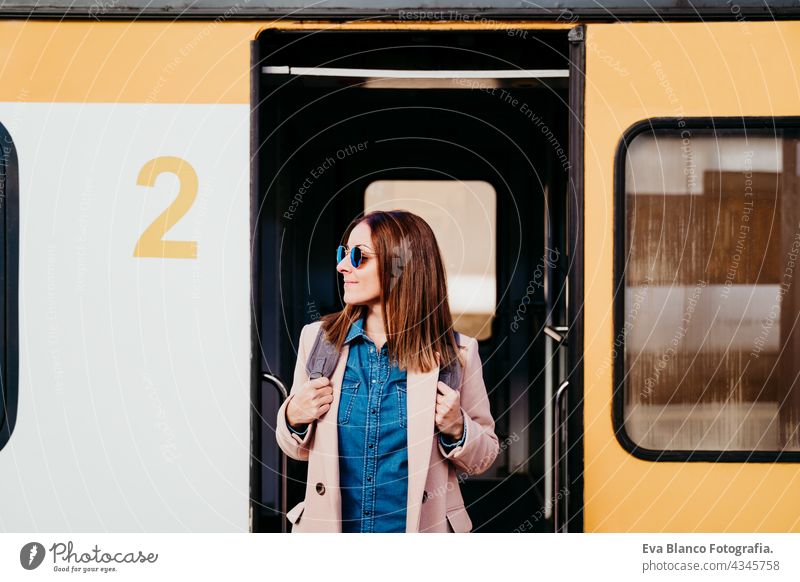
x=443, y=388
x=447, y=408
x=447, y=395
x=324, y=399
x=319, y=382
x=323, y=391
x=307, y=403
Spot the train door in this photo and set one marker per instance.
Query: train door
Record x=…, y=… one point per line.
x=692, y=406
x=469, y=129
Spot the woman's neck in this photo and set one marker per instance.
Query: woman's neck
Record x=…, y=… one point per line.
x=373, y=326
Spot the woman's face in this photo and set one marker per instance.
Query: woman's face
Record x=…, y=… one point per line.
x=361, y=286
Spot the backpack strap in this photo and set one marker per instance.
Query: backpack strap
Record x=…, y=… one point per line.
x=452, y=374
x=324, y=356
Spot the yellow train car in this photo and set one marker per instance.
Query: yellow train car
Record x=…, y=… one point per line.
x=613, y=190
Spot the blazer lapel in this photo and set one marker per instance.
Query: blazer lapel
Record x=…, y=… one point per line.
x=421, y=398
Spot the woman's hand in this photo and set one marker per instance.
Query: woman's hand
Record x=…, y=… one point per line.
x=449, y=419
x=310, y=402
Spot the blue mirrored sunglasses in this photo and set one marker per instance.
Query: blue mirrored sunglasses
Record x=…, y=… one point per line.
x=356, y=256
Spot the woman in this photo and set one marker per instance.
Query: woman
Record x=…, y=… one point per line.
x=383, y=437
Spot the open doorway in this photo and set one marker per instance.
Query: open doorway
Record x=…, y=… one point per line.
x=469, y=130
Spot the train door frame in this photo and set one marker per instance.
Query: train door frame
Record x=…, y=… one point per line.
x=9, y=290
x=569, y=465
x=569, y=416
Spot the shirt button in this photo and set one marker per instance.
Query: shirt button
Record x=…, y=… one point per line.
x=366, y=512
x=370, y=445
x=374, y=411
x=369, y=478
x=374, y=381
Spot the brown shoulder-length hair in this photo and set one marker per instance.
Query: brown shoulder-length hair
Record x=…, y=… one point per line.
x=416, y=312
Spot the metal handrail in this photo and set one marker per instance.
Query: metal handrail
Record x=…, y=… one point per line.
x=277, y=383
x=417, y=74
x=557, y=332
x=560, y=443
x=284, y=393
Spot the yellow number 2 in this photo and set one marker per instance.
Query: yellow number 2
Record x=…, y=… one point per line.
x=152, y=243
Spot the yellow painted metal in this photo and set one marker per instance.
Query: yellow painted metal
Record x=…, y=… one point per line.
x=636, y=71
x=160, y=62
x=126, y=62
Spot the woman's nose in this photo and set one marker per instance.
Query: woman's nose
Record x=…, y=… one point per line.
x=344, y=265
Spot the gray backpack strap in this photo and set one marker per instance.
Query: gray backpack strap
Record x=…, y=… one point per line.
x=323, y=357
x=452, y=374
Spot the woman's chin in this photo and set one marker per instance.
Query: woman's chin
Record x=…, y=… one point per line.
x=350, y=300
x=354, y=299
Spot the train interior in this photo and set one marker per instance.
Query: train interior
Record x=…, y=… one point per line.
x=354, y=121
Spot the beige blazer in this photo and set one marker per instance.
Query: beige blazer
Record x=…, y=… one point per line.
x=434, y=497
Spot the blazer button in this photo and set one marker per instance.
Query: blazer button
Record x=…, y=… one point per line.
x=424, y=496
x=320, y=488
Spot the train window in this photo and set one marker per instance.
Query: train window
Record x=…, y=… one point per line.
x=463, y=217
x=711, y=265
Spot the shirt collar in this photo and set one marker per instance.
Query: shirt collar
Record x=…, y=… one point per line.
x=356, y=330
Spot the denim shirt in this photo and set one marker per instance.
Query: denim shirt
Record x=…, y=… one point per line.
x=372, y=433
x=373, y=458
